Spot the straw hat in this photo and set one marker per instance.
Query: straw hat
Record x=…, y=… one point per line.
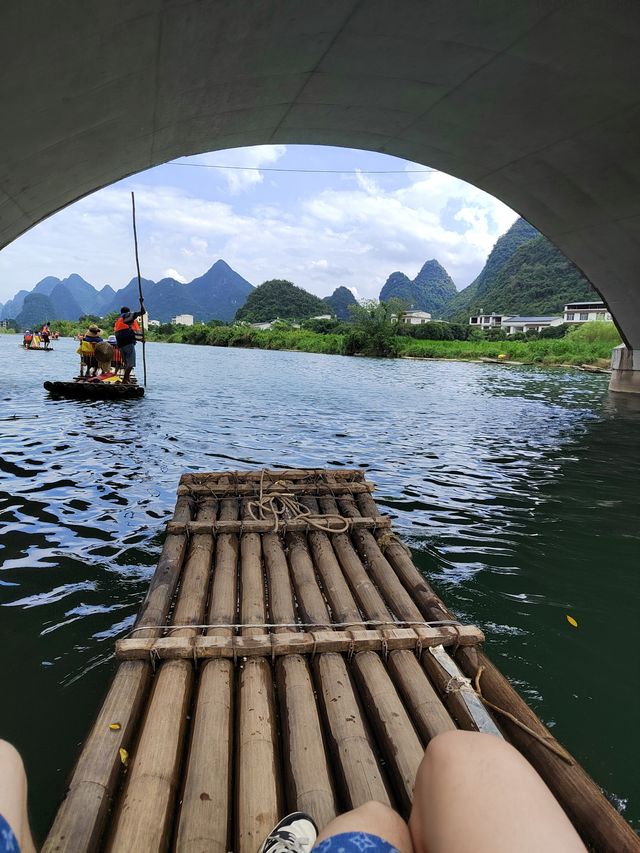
x=95, y=329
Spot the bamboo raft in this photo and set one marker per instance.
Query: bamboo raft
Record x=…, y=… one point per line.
x=289, y=661
x=79, y=390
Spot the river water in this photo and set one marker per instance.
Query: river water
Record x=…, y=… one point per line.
x=516, y=488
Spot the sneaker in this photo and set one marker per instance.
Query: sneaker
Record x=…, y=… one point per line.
x=296, y=833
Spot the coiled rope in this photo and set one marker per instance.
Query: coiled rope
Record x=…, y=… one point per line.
x=281, y=506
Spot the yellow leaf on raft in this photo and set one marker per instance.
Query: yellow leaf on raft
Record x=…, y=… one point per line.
x=572, y=621
x=124, y=756
x=115, y=727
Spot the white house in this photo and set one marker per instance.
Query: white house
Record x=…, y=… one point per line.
x=528, y=324
x=183, y=320
x=263, y=327
x=321, y=317
x=486, y=321
x=154, y=322
x=583, y=312
x=415, y=318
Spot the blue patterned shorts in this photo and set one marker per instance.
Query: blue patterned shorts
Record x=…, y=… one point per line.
x=354, y=842
x=8, y=841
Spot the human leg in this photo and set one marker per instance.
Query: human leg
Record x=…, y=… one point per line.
x=475, y=793
x=13, y=796
x=373, y=819
x=129, y=359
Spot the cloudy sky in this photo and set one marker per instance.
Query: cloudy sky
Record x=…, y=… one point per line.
x=342, y=224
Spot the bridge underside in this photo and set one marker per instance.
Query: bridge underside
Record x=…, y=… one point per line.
x=536, y=103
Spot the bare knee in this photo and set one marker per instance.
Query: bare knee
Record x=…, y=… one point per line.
x=449, y=751
x=11, y=761
x=376, y=819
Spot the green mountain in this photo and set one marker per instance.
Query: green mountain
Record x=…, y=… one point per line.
x=524, y=274
x=216, y=294
x=431, y=290
x=280, y=299
x=340, y=301
x=36, y=308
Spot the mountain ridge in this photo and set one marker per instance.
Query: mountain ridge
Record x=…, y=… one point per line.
x=431, y=290
x=217, y=294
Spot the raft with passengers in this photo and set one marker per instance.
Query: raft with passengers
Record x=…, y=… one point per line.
x=106, y=365
x=289, y=657
x=38, y=341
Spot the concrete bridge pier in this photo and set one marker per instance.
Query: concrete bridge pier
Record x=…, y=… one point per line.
x=625, y=370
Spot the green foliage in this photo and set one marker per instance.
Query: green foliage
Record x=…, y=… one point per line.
x=596, y=332
x=325, y=327
x=279, y=298
x=560, y=351
x=436, y=331
x=374, y=329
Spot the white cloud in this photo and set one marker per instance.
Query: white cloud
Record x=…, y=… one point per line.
x=171, y=273
x=352, y=233
x=239, y=179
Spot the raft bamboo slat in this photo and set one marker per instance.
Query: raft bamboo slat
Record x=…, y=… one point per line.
x=284, y=667
x=293, y=642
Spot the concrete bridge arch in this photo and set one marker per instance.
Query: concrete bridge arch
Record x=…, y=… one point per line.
x=536, y=103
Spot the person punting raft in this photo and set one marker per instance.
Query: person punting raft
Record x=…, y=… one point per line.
x=127, y=331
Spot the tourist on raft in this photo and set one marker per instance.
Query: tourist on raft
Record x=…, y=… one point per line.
x=125, y=328
x=474, y=793
x=27, y=337
x=92, y=337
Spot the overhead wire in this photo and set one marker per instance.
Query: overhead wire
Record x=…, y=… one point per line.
x=305, y=171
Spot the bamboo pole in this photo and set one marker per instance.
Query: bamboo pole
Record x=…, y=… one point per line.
x=336, y=589
x=80, y=821
x=307, y=778
x=145, y=819
x=205, y=813
x=425, y=708
x=140, y=296
x=595, y=818
x=394, y=731
x=427, y=711
x=400, y=744
x=258, y=798
x=356, y=767
x=442, y=669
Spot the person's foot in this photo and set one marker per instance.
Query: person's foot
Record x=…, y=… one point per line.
x=296, y=833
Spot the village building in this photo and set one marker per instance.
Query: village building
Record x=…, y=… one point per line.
x=584, y=312
x=182, y=320
x=415, y=318
x=486, y=321
x=512, y=325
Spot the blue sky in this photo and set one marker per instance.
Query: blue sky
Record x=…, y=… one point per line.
x=319, y=230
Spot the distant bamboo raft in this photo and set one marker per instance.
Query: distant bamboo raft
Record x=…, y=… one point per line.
x=289, y=656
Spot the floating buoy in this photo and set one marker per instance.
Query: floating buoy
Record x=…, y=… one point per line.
x=115, y=727
x=124, y=756
x=572, y=621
